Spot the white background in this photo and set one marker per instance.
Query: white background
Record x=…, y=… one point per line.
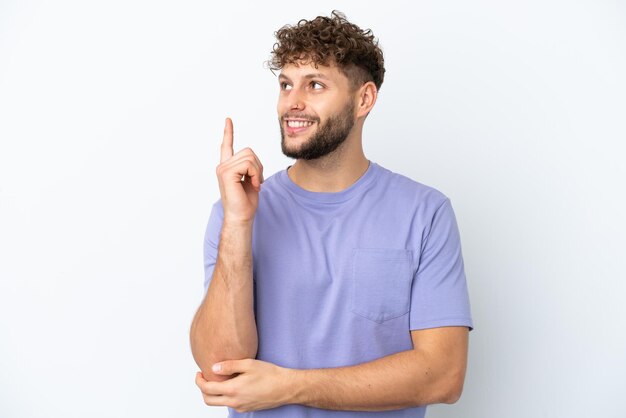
x=111, y=115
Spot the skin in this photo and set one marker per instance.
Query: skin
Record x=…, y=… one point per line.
x=432, y=372
x=326, y=136
x=341, y=168
x=226, y=315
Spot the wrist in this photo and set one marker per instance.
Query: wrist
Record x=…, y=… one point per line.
x=296, y=386
x=234, y=223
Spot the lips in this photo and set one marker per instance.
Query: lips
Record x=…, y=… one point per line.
x=296, y=126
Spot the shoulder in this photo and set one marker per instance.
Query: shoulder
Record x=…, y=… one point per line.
x=402, y=188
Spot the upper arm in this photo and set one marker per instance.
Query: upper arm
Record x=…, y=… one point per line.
x=439, y=294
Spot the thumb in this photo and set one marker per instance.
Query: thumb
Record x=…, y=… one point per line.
x=229, y=367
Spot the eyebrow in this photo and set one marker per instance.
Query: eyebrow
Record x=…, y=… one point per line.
x=308, y=76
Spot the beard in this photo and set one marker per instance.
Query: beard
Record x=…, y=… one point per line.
x=325, y=139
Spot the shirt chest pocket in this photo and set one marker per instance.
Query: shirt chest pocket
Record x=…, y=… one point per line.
x=380, y=283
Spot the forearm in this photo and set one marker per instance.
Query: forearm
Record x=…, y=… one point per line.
x=402, y=380
x=224, y=326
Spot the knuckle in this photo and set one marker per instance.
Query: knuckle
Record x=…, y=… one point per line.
x=221, y=171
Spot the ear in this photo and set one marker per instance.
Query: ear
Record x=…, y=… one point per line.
x=365, y=99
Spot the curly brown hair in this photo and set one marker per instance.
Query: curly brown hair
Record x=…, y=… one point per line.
x=327, y=40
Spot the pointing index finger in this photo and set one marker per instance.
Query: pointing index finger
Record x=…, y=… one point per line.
x=227, y=142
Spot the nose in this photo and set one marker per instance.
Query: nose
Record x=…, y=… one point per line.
x=295, y=101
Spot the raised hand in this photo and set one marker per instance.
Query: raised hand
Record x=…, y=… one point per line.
x=240, y=176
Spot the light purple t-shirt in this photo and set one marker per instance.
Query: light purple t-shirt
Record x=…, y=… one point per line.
x=342, y=278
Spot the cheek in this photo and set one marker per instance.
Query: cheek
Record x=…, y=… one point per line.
x=328, y=105
x=281, y=106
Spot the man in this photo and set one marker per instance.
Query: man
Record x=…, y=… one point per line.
x=337, y=287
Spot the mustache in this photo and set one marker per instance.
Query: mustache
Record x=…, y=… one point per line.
x=299, y=116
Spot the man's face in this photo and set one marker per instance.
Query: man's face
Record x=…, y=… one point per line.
x=315, y=110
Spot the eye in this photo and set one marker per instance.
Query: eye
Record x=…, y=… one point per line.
x=285, y=86
x=315, y=83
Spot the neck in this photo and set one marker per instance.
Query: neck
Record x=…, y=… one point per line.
x=334, y=172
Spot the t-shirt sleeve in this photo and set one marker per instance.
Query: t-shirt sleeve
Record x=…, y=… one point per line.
x=211, y=242
x=439, y=295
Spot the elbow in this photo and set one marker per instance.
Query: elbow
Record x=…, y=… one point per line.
x=445, y=389
x=453, y=390
x=452, y=397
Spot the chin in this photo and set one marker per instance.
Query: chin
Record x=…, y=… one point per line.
x=295, y=142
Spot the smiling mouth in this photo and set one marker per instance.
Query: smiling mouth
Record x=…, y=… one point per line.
x=297, y=126
x=299, y=123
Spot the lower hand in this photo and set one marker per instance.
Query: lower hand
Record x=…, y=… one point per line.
x=256, y=385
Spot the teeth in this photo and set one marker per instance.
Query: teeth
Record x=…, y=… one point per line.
x=298, y=123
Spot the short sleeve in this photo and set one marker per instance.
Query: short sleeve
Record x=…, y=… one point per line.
x=211, y=242
x=439, y=295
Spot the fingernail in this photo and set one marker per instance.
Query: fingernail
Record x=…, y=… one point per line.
x=217, y=367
